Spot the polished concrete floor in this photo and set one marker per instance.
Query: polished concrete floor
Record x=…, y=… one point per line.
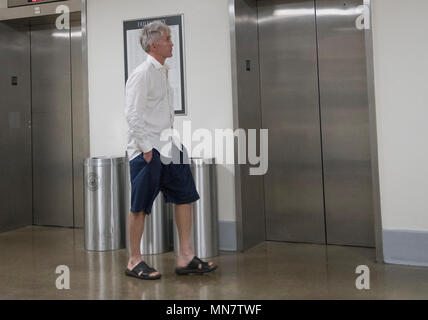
x=271, y=270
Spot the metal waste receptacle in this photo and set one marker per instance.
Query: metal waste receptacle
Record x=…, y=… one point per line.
x=106, y=197
x=204, y=232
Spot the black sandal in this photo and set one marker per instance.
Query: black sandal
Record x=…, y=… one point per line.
x=193, y=267
x=146, y=271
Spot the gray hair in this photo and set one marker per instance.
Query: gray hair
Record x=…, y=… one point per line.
x=151, y=33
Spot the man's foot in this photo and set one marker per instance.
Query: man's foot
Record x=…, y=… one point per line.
x=139, y=269
x=184, y=259
x=195, y=266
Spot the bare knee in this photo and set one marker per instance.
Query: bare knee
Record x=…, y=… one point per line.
x=186, y=205
x=137, y=215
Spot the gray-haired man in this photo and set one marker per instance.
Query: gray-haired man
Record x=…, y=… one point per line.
x=149, y=111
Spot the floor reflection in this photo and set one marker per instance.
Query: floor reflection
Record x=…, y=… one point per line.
x=270, y=270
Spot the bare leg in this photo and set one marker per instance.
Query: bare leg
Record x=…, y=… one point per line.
x=136, y=228
x=183, y=218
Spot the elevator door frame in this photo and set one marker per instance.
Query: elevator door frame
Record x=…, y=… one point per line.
x=79, y=113
x=249, y=235
x=80, y=100
x=52, y=120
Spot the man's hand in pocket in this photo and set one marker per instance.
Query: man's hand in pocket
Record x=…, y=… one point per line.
x=148, y=156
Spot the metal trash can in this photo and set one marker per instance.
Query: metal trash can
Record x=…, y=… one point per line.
x=155, y=238
x=105, y=203
x=204, y=232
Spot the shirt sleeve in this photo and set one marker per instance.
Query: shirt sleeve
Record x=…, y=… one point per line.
x=170, y=101
x=172, y=113
x=136, y=95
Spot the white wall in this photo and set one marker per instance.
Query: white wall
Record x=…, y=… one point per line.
x=401, y=78
x=3, y=3
x=208, y=66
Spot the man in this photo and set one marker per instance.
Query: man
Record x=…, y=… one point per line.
x=149, y=111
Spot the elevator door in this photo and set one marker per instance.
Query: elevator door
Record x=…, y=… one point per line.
x=290, y=110
x=15, y=131
x=52, y=126
x=345, y=124
x=314, y=103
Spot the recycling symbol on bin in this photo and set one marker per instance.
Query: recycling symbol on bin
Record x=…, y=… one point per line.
x=92, y=181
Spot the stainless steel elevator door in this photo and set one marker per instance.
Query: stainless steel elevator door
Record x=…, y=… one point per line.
x=52, y=126
x=290, y=110
x=315, y=104
x=15, y=131
x=345, y=124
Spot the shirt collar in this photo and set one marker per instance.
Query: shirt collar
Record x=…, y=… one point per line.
x=156, y=63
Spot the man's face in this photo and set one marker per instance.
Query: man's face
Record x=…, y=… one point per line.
x=163, y=47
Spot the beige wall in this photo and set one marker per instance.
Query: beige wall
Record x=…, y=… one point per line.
x=401, y=77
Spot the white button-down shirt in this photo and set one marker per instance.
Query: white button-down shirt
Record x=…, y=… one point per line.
x=149, y=108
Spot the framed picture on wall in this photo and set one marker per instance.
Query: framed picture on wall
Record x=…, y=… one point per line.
x=135, y=55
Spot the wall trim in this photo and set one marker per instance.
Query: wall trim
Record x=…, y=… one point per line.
x=374, y=146
x=405, y=247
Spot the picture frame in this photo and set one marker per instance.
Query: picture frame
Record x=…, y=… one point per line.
x=135, y=55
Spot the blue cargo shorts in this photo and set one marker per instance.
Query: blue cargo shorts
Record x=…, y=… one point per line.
x=175, y=180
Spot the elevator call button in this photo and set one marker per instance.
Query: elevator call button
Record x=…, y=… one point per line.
x=14, y=81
